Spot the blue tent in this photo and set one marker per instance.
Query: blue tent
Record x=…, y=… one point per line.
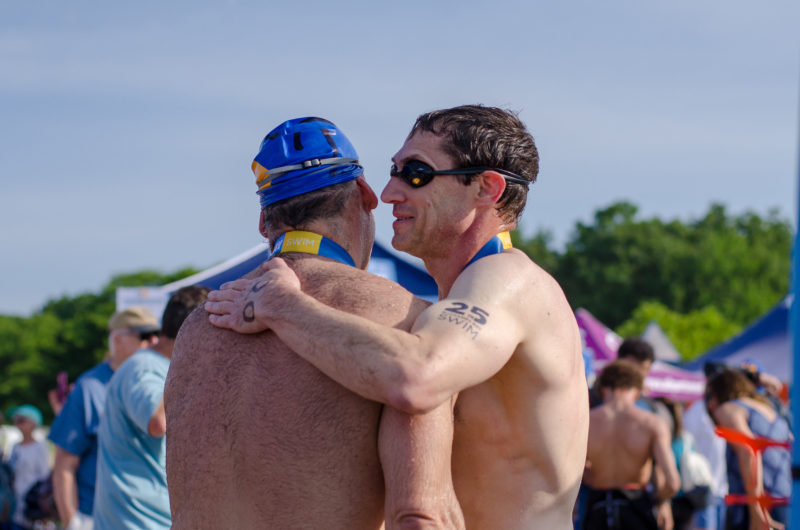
x=765, y=342
x=383, y=263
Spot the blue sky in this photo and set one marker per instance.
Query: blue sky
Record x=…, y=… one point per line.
x=127, y=130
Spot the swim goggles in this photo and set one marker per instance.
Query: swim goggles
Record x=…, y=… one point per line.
x=417, y=174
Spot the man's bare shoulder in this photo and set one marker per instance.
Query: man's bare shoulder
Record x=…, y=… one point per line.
x=650, y=421
x=629, y=412
x=195, y=328
x=516, y=278
x=534, y=313
x=197, y=338
x=541, y=282
x=359, y=292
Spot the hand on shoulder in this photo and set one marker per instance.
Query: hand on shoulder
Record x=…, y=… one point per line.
x=247, y=305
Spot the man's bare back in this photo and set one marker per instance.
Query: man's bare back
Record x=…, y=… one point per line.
x=627, y=445
x=621, y=446
x=259, y=438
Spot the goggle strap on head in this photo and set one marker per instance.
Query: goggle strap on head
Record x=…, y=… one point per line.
x=508, y=175
x=306, y=164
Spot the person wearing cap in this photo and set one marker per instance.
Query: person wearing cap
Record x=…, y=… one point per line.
x=74, y=430
x=131, y=487
x=28, y=460
x=503, y=336
x=259, y=438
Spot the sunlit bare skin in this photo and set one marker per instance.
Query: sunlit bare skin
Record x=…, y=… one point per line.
x=260, y=438
x=624, y=442
x=502, y=337
x=257, y=440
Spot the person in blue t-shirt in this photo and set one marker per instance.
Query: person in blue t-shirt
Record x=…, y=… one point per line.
x=131, y=487
x=74, y=431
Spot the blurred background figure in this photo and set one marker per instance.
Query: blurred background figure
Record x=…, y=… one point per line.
x=74, y=431
x=697, y=422
x=769, y=386
x=626, y=444
x=28, y=460
x=733, y=402
x=9, y=437
x=131, y=487
x=693, y=468
x=640, y=354
x=7, y=496
x=58, y=396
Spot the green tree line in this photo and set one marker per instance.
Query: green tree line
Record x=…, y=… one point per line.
x=68, y=334
x=702, y=281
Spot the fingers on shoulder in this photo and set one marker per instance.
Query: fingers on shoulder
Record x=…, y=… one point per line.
x=274, y=263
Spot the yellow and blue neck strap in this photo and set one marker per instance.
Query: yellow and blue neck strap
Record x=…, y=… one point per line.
x=496, y=245
x=311, y=243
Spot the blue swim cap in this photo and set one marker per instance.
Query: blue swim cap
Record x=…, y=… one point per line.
x=27, y=411
x=302, y=155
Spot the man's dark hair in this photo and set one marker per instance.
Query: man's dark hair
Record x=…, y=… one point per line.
x=636, y=349
x=298, y=211
x=620, y=375
x=487, y=136
x=180, y=305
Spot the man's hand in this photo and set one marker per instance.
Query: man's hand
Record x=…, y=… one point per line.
x=247, y=305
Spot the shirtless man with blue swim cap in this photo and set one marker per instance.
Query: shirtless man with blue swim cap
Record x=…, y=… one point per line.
x=502, y=337
x=260, y=438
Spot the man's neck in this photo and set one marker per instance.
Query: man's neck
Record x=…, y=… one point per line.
x=338, y=233
x=456, y=253
x=621, y=398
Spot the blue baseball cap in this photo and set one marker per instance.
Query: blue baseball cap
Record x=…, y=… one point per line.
x=302, y=155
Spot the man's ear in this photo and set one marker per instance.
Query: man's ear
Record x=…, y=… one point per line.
x=368, y=197
x=262, y=224
x=492, y=186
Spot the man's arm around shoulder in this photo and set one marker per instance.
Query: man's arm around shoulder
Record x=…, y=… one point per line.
x=456, y=343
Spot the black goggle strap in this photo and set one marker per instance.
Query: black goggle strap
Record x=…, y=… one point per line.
x=508, y=175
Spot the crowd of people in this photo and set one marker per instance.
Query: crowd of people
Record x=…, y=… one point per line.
x=108, y=467
x=654, y=464
x=312, y=394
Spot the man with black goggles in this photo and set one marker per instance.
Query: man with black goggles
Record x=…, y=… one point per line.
x=502, y=336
